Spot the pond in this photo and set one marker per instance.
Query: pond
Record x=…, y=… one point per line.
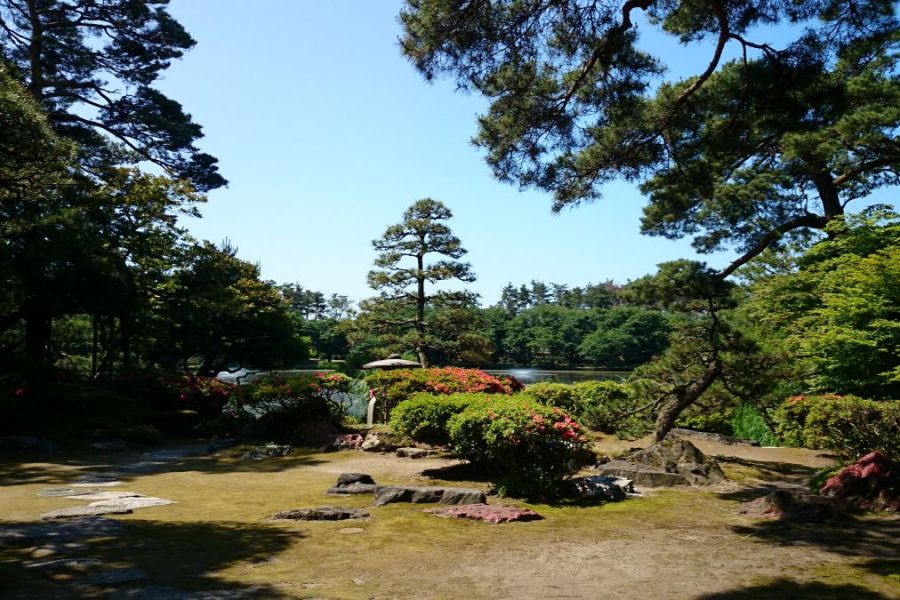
x=529, y=376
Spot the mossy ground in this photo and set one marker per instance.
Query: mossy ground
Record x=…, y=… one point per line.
x=687, y=543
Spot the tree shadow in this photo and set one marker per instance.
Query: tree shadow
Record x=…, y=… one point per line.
x=873, y=540
x=782, y=589
x=63, y=469
x=774, y=471
x=464, y=471
x=178, y=556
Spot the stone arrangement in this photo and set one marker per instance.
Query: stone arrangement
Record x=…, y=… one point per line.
x=671, y=462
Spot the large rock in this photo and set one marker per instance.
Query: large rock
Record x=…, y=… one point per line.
x=352, y=483
x=791, y=504
x=601, y=488
x=323, y=513
x=428, y=495
x=642, y=475
x=382, y=441
x=488, y=513
x=670, y=462
x=413, y=452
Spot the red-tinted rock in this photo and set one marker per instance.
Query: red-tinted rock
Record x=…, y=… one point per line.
x=488, y=513
x=791, y=504
x=871, y=483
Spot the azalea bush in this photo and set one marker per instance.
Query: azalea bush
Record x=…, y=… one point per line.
x=601, y=405
x=394, y=386
x=528, y=447
x=425, y=417
x=313, y=396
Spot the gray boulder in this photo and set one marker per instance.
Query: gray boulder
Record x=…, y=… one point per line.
x=428, y=495
x=671, y=462
x=267, y=451
x=345, y=479
x=413, y=452
x=323, y=513
x=348, y=484
x=382, y=441
x=792, y=504
x=601, y=488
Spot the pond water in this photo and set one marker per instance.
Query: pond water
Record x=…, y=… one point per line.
x=528, y=376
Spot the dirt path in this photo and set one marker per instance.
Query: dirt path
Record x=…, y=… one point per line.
x=685, y=543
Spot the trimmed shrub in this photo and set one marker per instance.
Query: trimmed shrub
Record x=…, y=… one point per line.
x=394, y=386
x=526, y=446
x=602, y=405
x=790, y=418
x=550, y=393
x=424, y=417
x=853, y=426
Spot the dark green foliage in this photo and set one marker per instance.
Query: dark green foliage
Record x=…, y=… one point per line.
x=747, y=424
x=142, y=435
x=403, y=300
x=737, y=154
x=425, y=417
x=91, y=64
x=604, y=406
x=527, y=447
x=790, y=419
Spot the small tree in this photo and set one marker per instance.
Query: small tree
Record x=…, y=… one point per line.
x=402, y=286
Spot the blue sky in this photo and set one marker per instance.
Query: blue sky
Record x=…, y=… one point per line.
x=327, y=134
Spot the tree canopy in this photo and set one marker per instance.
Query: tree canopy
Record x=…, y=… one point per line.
x=739, y=154
x=402, y=273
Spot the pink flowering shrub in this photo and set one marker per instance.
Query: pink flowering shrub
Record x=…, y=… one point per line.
x=528, y=447
x=164, y=392
x=315, y=396
x=395, y=386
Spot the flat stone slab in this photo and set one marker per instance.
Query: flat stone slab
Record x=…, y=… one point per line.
x=65, y=564
x=642, y=475
x=487, y=513
x=67, y=492
x=428, y=495
x=351, y=489
x=117, y=577
x=413, y=452
x=323, y=513
x=76, y=512
x=94, y=495
x=132, y=502
x=59, y=532
x=350, y=478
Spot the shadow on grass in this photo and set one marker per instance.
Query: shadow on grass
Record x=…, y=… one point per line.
x=181, y=556
x=773, y=471
x=464, y=471
x=783, y=589
x=875, y=541
x=67, y=467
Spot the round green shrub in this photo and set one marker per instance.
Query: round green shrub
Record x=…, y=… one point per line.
x=528, y=447
x=853, y=426
x=424, y=417
x=554, y=394
x=603, y=405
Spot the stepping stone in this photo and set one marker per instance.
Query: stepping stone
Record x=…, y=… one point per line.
x=352, y=483
x=324, y=513
x=75, y=512
x=67, y=492
x=488, y=513
x=60, y=532
x=96, y=480
x=93, y=495
x=132, y=502
x=412, y=452
x=117, y=576
x=424, y=495
x=601, y=488
x=69, y=564
x=351, y=530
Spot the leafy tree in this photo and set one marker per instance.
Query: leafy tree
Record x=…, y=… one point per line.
x=626, y=336
x=91, y=65
x=741, y=154
x=705, y=349
x=838, y=313
x=221, y=315
x=403, y=298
